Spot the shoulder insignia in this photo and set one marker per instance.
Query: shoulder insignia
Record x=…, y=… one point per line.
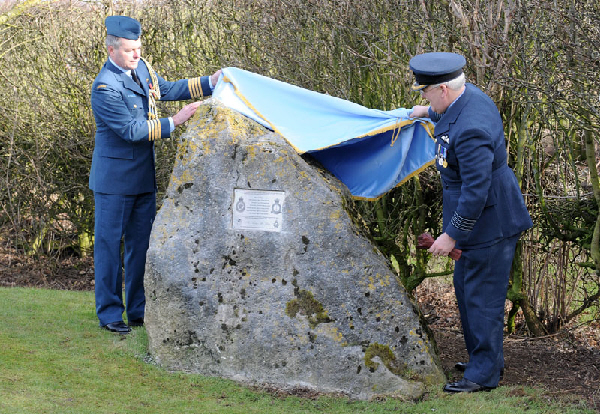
x=100, y=86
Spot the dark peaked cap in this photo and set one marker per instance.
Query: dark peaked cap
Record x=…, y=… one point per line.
x=123, y=26
x=436, y=67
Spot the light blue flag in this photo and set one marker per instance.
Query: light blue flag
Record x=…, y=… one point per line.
x=369, y=150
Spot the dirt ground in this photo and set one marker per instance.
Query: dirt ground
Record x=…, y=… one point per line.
x=566, y=365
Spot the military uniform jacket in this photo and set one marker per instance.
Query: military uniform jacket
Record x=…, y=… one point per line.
x=123, y=158
x=482, y=201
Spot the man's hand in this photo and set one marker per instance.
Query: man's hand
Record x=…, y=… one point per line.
x=185, y=113
x=214, y=78
x=442, y=246
x=419, y=111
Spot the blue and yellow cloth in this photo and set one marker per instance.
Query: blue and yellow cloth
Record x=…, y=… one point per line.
x=369, y=150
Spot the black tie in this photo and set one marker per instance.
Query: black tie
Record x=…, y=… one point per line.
x=135, y=78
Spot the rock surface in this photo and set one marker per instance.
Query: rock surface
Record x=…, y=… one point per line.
x=304, y=301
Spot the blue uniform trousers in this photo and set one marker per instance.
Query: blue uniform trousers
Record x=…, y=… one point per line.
x=127, y=217
x=480, y=283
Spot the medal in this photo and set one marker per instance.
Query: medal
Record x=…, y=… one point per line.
x=442, y=153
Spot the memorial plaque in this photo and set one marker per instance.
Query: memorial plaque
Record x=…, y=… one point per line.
x=258, y=209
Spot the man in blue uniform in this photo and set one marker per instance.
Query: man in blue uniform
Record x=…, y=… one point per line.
x=483, y=208
x=122, y=176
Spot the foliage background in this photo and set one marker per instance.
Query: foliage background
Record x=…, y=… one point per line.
x=539, y=61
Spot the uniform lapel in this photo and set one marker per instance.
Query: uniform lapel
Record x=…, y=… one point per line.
x=144, y=75
x=130, y=83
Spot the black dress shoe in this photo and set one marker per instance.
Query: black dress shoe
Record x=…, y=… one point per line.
x=464, y=385
x=136, y=322
x=118, y=327
x=462, y=366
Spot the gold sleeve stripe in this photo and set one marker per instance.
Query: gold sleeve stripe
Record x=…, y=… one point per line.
x=101, y=86
x=154, y=129
x=195, y=87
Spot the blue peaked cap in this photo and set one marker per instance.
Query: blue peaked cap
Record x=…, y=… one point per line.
x=123, y=26
x=436, y=67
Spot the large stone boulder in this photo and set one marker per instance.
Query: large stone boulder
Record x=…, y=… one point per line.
x=258, y=272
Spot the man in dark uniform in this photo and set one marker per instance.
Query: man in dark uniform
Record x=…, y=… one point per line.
x=483, y=208
x=122, y=176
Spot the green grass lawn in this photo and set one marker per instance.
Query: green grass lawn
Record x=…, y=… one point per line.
x=55, y=359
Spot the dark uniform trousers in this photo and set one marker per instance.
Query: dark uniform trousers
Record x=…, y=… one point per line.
x=480, y=283
x=128, y=218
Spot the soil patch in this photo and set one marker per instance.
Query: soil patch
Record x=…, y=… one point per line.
x=566, y=365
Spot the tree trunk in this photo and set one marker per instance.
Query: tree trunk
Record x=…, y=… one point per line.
x=517, y=293
x=590, y=151
x=533, y=323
